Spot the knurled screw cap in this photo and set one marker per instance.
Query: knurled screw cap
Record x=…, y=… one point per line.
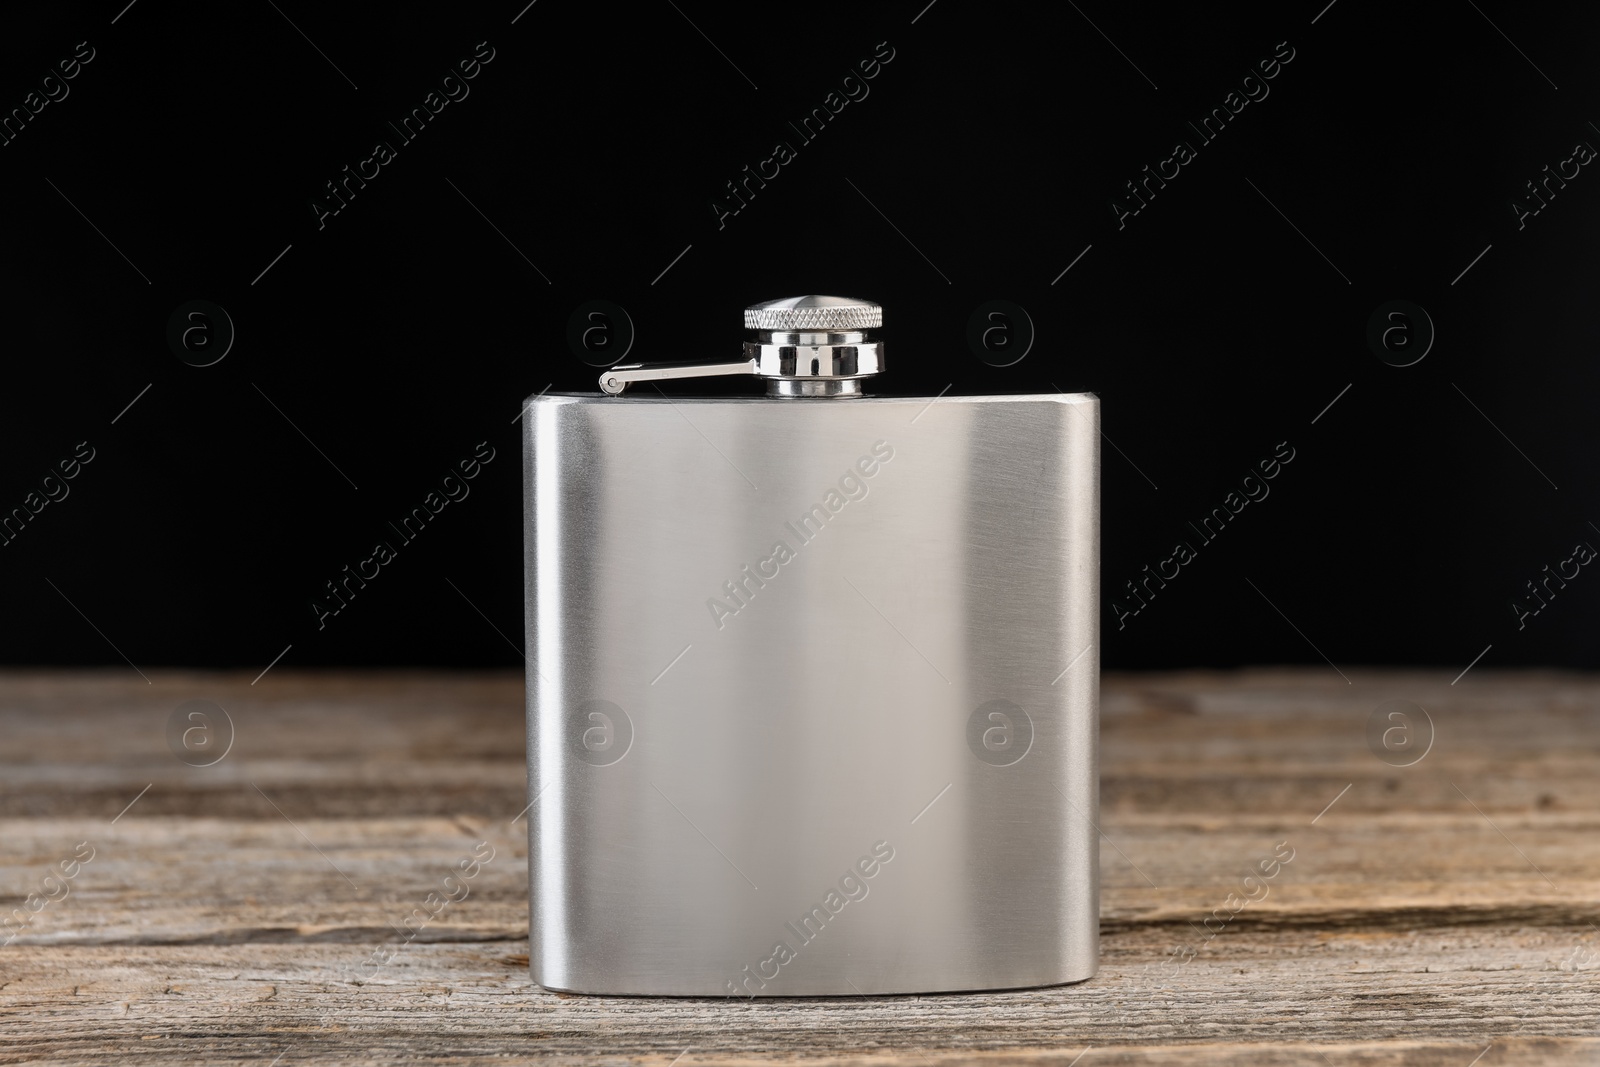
x=838, y=314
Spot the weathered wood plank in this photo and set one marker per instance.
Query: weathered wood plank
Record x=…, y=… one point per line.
x=385, y=744
x=1457, y=988
x=163, y=879
x=228, y=915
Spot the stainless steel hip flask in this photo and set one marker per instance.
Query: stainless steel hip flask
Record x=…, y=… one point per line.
x=813, y=678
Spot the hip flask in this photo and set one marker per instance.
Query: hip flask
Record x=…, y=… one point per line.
x=813, y=678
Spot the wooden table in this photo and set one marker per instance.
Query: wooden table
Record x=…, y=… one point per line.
x=1430, y=913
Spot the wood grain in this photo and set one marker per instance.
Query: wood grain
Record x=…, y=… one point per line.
x=1431, y=913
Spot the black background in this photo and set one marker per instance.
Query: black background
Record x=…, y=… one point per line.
x=411, y=326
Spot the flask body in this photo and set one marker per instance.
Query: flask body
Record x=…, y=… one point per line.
x=812, y=694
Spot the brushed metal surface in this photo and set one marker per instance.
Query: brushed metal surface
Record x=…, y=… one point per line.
x=705, y=778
